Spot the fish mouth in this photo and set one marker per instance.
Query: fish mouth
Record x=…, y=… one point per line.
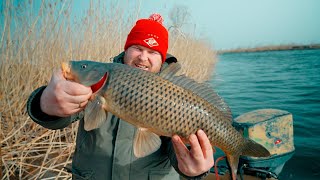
x=66, y=71
x=97, y=86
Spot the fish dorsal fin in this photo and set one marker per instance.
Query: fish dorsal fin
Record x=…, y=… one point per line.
x=214, y=98
x=145, y=143
x=201, y=89
x=170, y=70
x=94, y=113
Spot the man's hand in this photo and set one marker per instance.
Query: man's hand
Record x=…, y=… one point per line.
x=197, y=160
x=63, y=98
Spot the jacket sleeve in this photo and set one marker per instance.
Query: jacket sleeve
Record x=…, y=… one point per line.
x=174, y=162
x=45, y=120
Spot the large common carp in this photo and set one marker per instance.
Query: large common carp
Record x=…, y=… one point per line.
x=159, y=105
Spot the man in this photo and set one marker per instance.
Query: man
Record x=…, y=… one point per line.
x=106, y=152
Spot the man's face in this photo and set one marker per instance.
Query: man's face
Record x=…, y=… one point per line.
x=144, y=58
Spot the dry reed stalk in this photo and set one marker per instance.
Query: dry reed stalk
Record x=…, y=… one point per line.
x=46, y=36
x=196, y=57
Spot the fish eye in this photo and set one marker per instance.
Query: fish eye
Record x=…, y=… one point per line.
x=83, y=66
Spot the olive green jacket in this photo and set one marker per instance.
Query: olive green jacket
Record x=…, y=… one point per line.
x=107, y=152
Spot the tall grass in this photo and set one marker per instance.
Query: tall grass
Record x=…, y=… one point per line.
x=34, y=39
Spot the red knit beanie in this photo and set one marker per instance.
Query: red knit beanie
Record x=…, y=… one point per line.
x=149, y=33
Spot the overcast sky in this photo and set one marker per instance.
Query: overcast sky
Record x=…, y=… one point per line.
x=248, y=23
x=228, y=24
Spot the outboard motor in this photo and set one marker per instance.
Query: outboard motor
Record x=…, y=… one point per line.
x=273, y=129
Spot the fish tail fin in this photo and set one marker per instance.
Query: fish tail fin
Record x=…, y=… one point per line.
x=233, y=161
x=251, y=148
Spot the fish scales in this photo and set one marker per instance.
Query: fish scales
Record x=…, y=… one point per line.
x=167, y=109
x=160, y=104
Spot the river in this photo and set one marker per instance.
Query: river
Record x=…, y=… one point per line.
x=286, y=80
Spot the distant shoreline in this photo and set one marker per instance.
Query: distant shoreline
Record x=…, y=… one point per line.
x=271, y=48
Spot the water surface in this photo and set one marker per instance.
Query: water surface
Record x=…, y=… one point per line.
x=286, y=80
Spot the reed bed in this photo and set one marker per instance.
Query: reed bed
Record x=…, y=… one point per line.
x=284, y=47
x=34, y=40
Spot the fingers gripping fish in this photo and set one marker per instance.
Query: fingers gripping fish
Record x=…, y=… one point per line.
x=159, y=105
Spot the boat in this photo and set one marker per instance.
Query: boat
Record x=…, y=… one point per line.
x=272, y=128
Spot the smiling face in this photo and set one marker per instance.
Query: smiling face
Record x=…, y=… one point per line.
x=144, y=58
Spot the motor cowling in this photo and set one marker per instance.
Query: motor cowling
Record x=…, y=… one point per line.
x=273, y=129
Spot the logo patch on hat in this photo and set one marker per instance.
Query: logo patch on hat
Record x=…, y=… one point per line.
x=151, y=42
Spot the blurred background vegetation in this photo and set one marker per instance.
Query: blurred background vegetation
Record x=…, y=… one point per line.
x=34, y=40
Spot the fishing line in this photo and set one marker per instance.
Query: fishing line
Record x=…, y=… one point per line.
x=216, y=167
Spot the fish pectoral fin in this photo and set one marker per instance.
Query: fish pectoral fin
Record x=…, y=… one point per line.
x=145, y=143
x=94, y=113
